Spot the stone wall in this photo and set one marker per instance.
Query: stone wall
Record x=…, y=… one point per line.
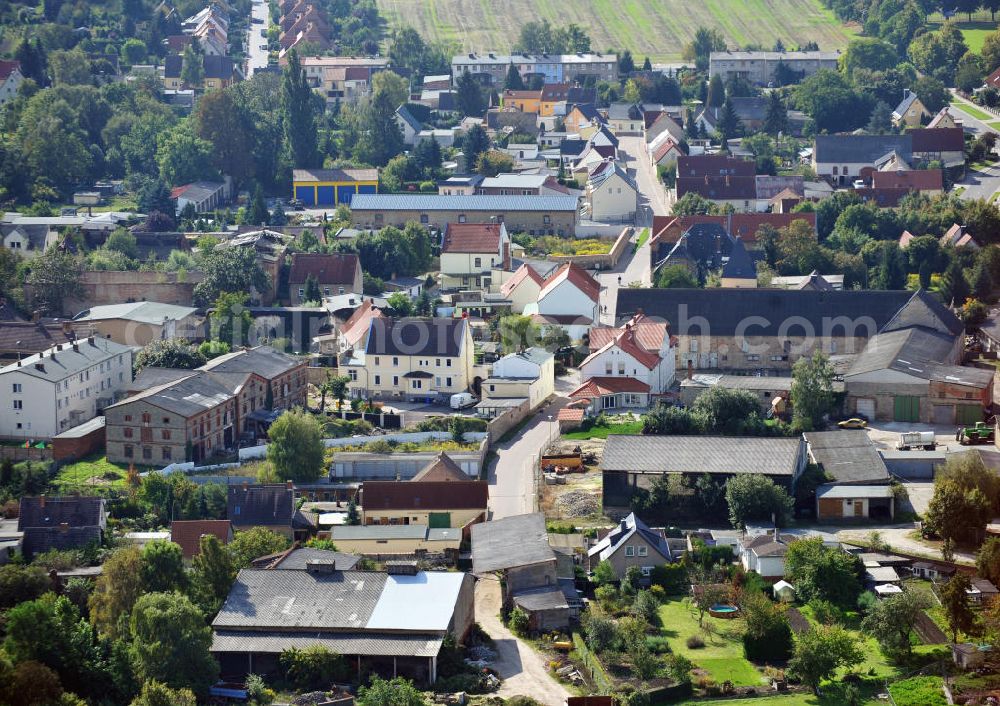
x=112, y=287
x=606, y=261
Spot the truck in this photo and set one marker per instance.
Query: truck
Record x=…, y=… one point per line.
x=916, y=439
x=461, y=400
x=978, y=433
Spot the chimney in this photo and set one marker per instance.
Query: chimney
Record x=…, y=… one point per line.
x=623, y=524
x=246, y=486
x=289, y=485
x=41, y=501
x=35, y=316
x=506, y=257
x=64, y=527
x=76, y=347
x=690, y=369
x=90, y=340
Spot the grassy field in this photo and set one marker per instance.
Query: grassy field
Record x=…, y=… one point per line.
x=603, y=432
x=974, y=32
x=93, y=472
x=967, y=107
x=658, y=29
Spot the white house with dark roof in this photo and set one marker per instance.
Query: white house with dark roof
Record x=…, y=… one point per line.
x=61, y=387
x=631, y=543
x=612, y=194
x=408, y=125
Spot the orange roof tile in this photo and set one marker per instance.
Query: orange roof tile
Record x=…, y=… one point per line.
x=594, y=387
x=577, y=276
x=188, y=534
x=523, y=272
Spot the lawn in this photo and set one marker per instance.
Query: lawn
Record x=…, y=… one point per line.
x=643, y=237
x=658, y=29
x=831, y=697
x=92, y=472
x=995, y=125
x=721, y=657
x=975, y=112
x=603, y=431
x=875, y=662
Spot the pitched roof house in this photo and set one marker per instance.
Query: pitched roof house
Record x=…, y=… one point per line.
x=435, y=504
x=470, y=251
x=262, y=505
x=910, y=111
x=631, y=543
x=568, y=298
x=612, y=194
x=338, y=273
x=188, y=534
x=60, y=523
x=627, y=355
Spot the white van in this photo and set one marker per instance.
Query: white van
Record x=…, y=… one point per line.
x=461, y=400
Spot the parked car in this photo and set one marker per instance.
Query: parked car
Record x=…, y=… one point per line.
x=461, y=400
x=853, y=423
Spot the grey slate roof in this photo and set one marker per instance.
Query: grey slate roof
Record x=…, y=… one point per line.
x=542, y=598
x=925, y=309
x=406, y=116
x=427, y=202
x=263, y=360
x=186, y=396
x=623, y=532
x=37, y=540
x=725, y=310
x=297, y=559
x=848, y=456
x=74, y=511
x=265, y=505
x=510, y=542
x=416, y=336
x=68, y=361
x=702, y=454
x=854, y=149
x=739, y=265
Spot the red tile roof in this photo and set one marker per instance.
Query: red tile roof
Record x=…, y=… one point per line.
x=188, y=534
x=649, y=334
x=905, y=238
x=664, y=149
x=425, y=495
x=7, y=68
x=569, y=414
x=669, y=229
x=340, y=268
x=915, y=179
x=938, y=139
x=355, y=328
x=577, y=276
x=471, y=238
x=626, y=341
x=441, y=469
x=523, y=272
x=597, y=386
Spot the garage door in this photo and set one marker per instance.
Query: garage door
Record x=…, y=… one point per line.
x=438, y=520
x=865, y=407
x=944, y=414
x=968, y=413
x=906, y=408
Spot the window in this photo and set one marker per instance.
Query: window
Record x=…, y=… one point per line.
x=546, y=219
x=693, y=345
x=395, y=361
x=128, y=432
x=647, y=570
x=17, y=387
x=165, y=434
x=607, y=368
x=418, y=384
x=378, y=360
x=447, y=382
x=128, y=451
x=478, y=262
x=18, y=404
x=447, y=362
x=146, y=418
x=128, y=417
x=166, y=453
x=621, y=368
x=378, y=379
x=437, y=381
x=424, y=218
x=461, y=218
x=437, y=362
x=378, y=219
x=353, y=374
x=166, y=420
x=147, y=453
x=630, y=551
x=643, y=551
x=395, y=381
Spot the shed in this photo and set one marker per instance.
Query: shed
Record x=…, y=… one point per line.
x=784, y=591
x=968, y=655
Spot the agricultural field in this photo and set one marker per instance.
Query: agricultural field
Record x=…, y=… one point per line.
x=658, y=29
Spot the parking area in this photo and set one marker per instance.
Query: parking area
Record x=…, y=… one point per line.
x=885, y=435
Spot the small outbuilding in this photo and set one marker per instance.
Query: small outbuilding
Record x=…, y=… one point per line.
x=784, y=591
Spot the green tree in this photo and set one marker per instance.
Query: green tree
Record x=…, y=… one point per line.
x=869, y=53
x=776, y=119
x=716, y=92
x=822, y=650
x=474, y=144
x=295, y=447
x=676, y=277
x=513, y=82
x=312, y=290
x=156, y=693
x=230, y=321
x=382, y=139
x=701, y=47
x=605, y=574
x=729, y=124
x=257, y=214
x=493, y=162
x=230, y=270
x=212, y=574
x=116, y=591
x=192, y=66
x=768, y=635
x=133, y=51
x=988, y=560
x=298, y=115
x=953, y=287
x=932, y=93
x=184, y=157
x=390, y=692
x=163, y=567
x=517, y=333
x=823, y=573
x=20, y=583
x=756, y=497
x=169, y=353
x=880, y=122
x=170, y=642
x=226, y=126
x=252, y=544
x=957, y=609
x=726, y=411
x=891, y=621
x=313, y=668
x=957, y=514
x=400, y=303
x=812, y=390
x=121, y=240
x=469, y=95
x=54, y=277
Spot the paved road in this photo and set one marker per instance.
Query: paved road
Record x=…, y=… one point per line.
x=979, y=183
x=257, y=57
x=652, y=198
x=523, y=670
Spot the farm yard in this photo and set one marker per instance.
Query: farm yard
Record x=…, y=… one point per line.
x=657, y=29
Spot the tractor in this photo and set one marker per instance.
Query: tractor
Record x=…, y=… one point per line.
x=978, y=433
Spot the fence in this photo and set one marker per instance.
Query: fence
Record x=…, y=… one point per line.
x=500, y=425
x=597, y=674
x=20, y=453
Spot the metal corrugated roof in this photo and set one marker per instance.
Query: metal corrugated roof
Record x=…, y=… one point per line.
x=346, y=644
x=430, y=202
x=847, y=456
x=854, y=491
x=701, y=454
x=510, y=542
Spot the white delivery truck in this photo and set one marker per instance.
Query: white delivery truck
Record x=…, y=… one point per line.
x=916, y=439
x=461, y=400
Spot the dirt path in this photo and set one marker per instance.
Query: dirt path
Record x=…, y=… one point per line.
x=522, y=669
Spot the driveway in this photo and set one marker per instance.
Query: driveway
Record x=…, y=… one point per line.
x=632, y=267
x=512, y=475
x=523, y=670
x=652, y=198
x=899, y=539
x=257, y=57
x=885, y=435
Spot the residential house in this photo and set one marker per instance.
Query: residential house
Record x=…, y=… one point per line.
x=523, y=100
x=910, y=112
x=469, y=252
x=944, y=118
x=704, y=248
x=568, y=298
x=739, y=270
x=334, y=274
x=460, y=185
x=530, y=214
x=631, y=462
x=188, y=534
x=778, y=188
x=854, y=502
x=612, y=194
x=555, y=97
x=767, y=389
x=945, y=145
x=391, y=623
x=724, y=180
x=814, y=280
x=527, y=375
x=626, y=118
x=298, y=558
x=512, y=120
x=217, y=72
x=522, y=185
x=517, y=548
x=284, y=376
x=932, y=571
x=927, y=181
x=11, y=79
x=20, y=339
x=491, y=69
x=582, y=116
x=635, y=353
x=61, y=387
x=271, y=506
x=666, y=153
x=413, y=540
x=28, y=240
x=631, y=543
x=342, y=78
x=432, y=504
x=63, y=523
x=982, y=592
x=270, y=248
x=204, y=196
x=766, y=329
x=354, y=331
x=330, y=187
x=958, y=237
x=413, y=359
x=140, y=323
x=761, y=67
x=667, y=230
x=841, y=158
x=408, y=125
x=522, y=288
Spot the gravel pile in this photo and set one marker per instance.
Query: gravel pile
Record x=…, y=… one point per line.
x=578, y=503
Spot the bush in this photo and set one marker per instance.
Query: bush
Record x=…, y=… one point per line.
x=606, y=594
x=671, y=578
x=599, y=631
x=826, y=612
x=312, y=668
x=694, y=642
x=518, y=622
x=646, y=607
